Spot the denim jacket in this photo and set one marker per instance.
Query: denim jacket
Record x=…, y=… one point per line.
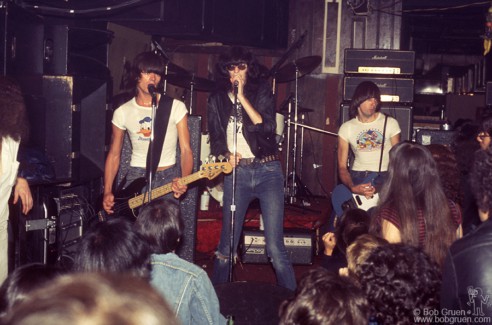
x=260, y=137
x=187, y=289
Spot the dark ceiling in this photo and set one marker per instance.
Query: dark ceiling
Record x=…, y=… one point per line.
x=444, y=27
x=428, y=26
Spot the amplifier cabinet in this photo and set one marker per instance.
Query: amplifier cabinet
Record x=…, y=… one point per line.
x=428, y=136
x=392, y=89
x=298, y=242
x=380, y=61
x=403, y=114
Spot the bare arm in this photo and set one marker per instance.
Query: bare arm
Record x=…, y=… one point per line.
x=111, y=167
x=390, y=232
x=395, y=139
x=365, y=189
x=186, y=156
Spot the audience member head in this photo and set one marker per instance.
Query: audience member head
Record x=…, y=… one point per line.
x=449, y=171
x=22, y=281
x=113, y=246
x=96, y=299
x=413, y=186
x=324, y=298
x=359, y=250
x=397, y=280
x=485, y=132
x=13, y=118
x=364, y=91
x=354, y=223
x=465, y=145
x=481, y=182
x=160, y=224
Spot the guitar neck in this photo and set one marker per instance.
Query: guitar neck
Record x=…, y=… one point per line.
x=141, y=199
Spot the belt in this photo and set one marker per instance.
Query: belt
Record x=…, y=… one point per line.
x=248, y=161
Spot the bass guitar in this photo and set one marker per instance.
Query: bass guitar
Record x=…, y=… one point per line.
x=129, y=199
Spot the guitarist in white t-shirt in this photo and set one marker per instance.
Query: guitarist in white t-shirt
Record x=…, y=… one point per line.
x=363, y=135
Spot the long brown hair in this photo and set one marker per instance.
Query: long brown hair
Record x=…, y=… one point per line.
x=413, y=185
x=13, y=120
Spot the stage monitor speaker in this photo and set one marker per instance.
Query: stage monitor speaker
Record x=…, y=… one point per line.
x=189, y=204
x=251, y=302
x=67, y=117
x=21, y=35
x=76, y=51
x=298, y=242
x=402, y=113
x=428, y=136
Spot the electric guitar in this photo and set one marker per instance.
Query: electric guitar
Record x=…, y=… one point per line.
x=129, y=199
x=342, y=197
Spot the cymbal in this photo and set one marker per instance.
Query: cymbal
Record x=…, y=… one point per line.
x=299, y=110
x=175, y=69
x=304, y=66
x=186, y=81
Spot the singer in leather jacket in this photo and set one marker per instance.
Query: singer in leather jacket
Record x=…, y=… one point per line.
x=260, y=137
x=242, y=110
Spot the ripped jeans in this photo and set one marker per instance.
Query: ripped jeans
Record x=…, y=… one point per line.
x=265, y=182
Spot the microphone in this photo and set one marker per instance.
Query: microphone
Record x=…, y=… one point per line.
x=152, y=90
x=236, y=84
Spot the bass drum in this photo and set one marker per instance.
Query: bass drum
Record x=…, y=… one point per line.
x=216, y=188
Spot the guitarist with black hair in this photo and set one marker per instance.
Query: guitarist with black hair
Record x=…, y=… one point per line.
x=369, y=134
x=135, y=117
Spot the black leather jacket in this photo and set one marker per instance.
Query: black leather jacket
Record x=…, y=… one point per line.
x=469, y=266
x=260, y=137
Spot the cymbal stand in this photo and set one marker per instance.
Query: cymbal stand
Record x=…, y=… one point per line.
x=291, y=187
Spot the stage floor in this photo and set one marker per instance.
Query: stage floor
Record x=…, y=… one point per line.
x=307, y=217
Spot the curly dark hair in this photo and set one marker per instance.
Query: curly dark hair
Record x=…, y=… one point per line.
x=364, y=91
x=238, y=55
x=323, y=297
x=397, y=280
x=481, y=179
x=449, y=171
x=354, y=223
x=13, y=119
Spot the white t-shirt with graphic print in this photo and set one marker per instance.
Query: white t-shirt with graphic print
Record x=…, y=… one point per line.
x=137, y=120
x=365, y=140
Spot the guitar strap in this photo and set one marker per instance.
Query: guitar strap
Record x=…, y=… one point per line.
x=162, y=118
x=382, y=145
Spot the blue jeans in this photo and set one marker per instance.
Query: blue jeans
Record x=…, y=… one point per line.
x=265, y=182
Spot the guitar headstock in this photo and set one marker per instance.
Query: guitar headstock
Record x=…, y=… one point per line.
x=212, y=170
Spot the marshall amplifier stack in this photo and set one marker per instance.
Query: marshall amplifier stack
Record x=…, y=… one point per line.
x=392, y=71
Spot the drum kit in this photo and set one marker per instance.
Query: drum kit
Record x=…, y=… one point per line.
x=289, y=119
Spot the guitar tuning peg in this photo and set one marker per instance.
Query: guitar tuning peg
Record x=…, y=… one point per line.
x=207, y=160
x=213, y=158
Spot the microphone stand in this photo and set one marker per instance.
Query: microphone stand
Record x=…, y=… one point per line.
x=150, y=174
x=233, y=201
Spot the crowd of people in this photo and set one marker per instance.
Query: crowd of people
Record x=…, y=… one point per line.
x=391, y=264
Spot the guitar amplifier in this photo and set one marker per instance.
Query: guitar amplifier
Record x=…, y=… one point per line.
x=428, y=136
x=392, y=89
x=388, y=62
x=298, y=242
